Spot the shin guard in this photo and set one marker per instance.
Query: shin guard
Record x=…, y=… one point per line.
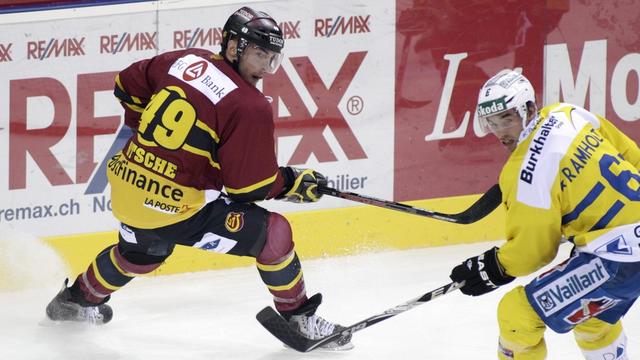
x=280, y=267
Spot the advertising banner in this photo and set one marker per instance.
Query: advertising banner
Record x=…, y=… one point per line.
x=59, y=122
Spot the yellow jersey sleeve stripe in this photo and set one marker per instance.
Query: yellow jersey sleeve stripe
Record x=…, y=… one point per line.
x=134, y=107
x=253, y=187
x=119, y=83
x=200, y=152
x=136, y=100
x=207, y=129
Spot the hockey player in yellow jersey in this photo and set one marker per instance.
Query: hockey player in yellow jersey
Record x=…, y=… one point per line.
x=571, y=176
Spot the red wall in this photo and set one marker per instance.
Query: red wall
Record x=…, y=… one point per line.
x=494, y=34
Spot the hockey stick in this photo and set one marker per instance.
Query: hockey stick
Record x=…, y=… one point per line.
x=280, y=328
x=481, y=208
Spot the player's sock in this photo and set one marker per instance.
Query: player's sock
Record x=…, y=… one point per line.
x=107, y=273
x=285, y=281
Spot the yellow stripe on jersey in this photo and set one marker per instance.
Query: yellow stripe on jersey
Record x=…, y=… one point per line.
x=134, y=107
x=253, y=187
x=196, y=151
x=119, y=83
x=210, y=131
x=135, y=99
x=144, y=142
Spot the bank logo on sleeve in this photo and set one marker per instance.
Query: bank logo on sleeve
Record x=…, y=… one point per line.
x=209, y=80
x=194, y=71
x=571, y=287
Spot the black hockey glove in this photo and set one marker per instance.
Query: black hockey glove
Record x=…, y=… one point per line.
x=301, y=185
x=481, y=274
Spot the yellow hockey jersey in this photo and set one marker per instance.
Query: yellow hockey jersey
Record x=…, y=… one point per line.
x=573, y=176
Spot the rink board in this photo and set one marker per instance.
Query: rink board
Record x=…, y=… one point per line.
x=320, y=233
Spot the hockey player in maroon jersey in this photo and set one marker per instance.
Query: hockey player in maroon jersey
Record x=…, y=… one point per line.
x=201, y=127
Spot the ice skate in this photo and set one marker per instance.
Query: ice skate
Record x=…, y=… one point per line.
x=67, y=307
x=306, y=322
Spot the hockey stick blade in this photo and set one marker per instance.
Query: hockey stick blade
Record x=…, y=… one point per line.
x=488, y=202
x=279, y=327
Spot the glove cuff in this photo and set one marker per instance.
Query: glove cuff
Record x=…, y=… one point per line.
x=289, y=179
x=492, y=268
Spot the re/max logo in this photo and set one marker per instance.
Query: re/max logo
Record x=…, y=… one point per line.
x=205, y=37
x=342, y=25
x=43, y=49
x=126, y=42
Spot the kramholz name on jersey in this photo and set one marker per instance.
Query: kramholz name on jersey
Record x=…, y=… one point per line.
x=204, y=76
x=584, y=279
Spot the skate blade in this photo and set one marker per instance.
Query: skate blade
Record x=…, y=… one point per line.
x=46, y=322
x=332, y=349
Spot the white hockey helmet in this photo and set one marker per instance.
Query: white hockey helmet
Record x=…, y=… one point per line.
x=508, y=89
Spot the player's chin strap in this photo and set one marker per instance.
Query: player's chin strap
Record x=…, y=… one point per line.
x=279, y=327
x=481, y=208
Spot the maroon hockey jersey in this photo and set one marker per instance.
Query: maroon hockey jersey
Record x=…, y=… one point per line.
x=198, y=127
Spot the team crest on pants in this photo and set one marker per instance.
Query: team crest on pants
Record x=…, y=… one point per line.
x=234, y=221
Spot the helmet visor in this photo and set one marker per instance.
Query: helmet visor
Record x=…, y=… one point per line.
x=265, y=58
x=499, y=122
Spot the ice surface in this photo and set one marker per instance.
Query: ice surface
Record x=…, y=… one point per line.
x=211, y=315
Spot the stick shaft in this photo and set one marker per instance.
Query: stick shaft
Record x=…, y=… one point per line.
x=481, y=208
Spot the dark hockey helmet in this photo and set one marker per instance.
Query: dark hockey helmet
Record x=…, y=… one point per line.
x=255, y=27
